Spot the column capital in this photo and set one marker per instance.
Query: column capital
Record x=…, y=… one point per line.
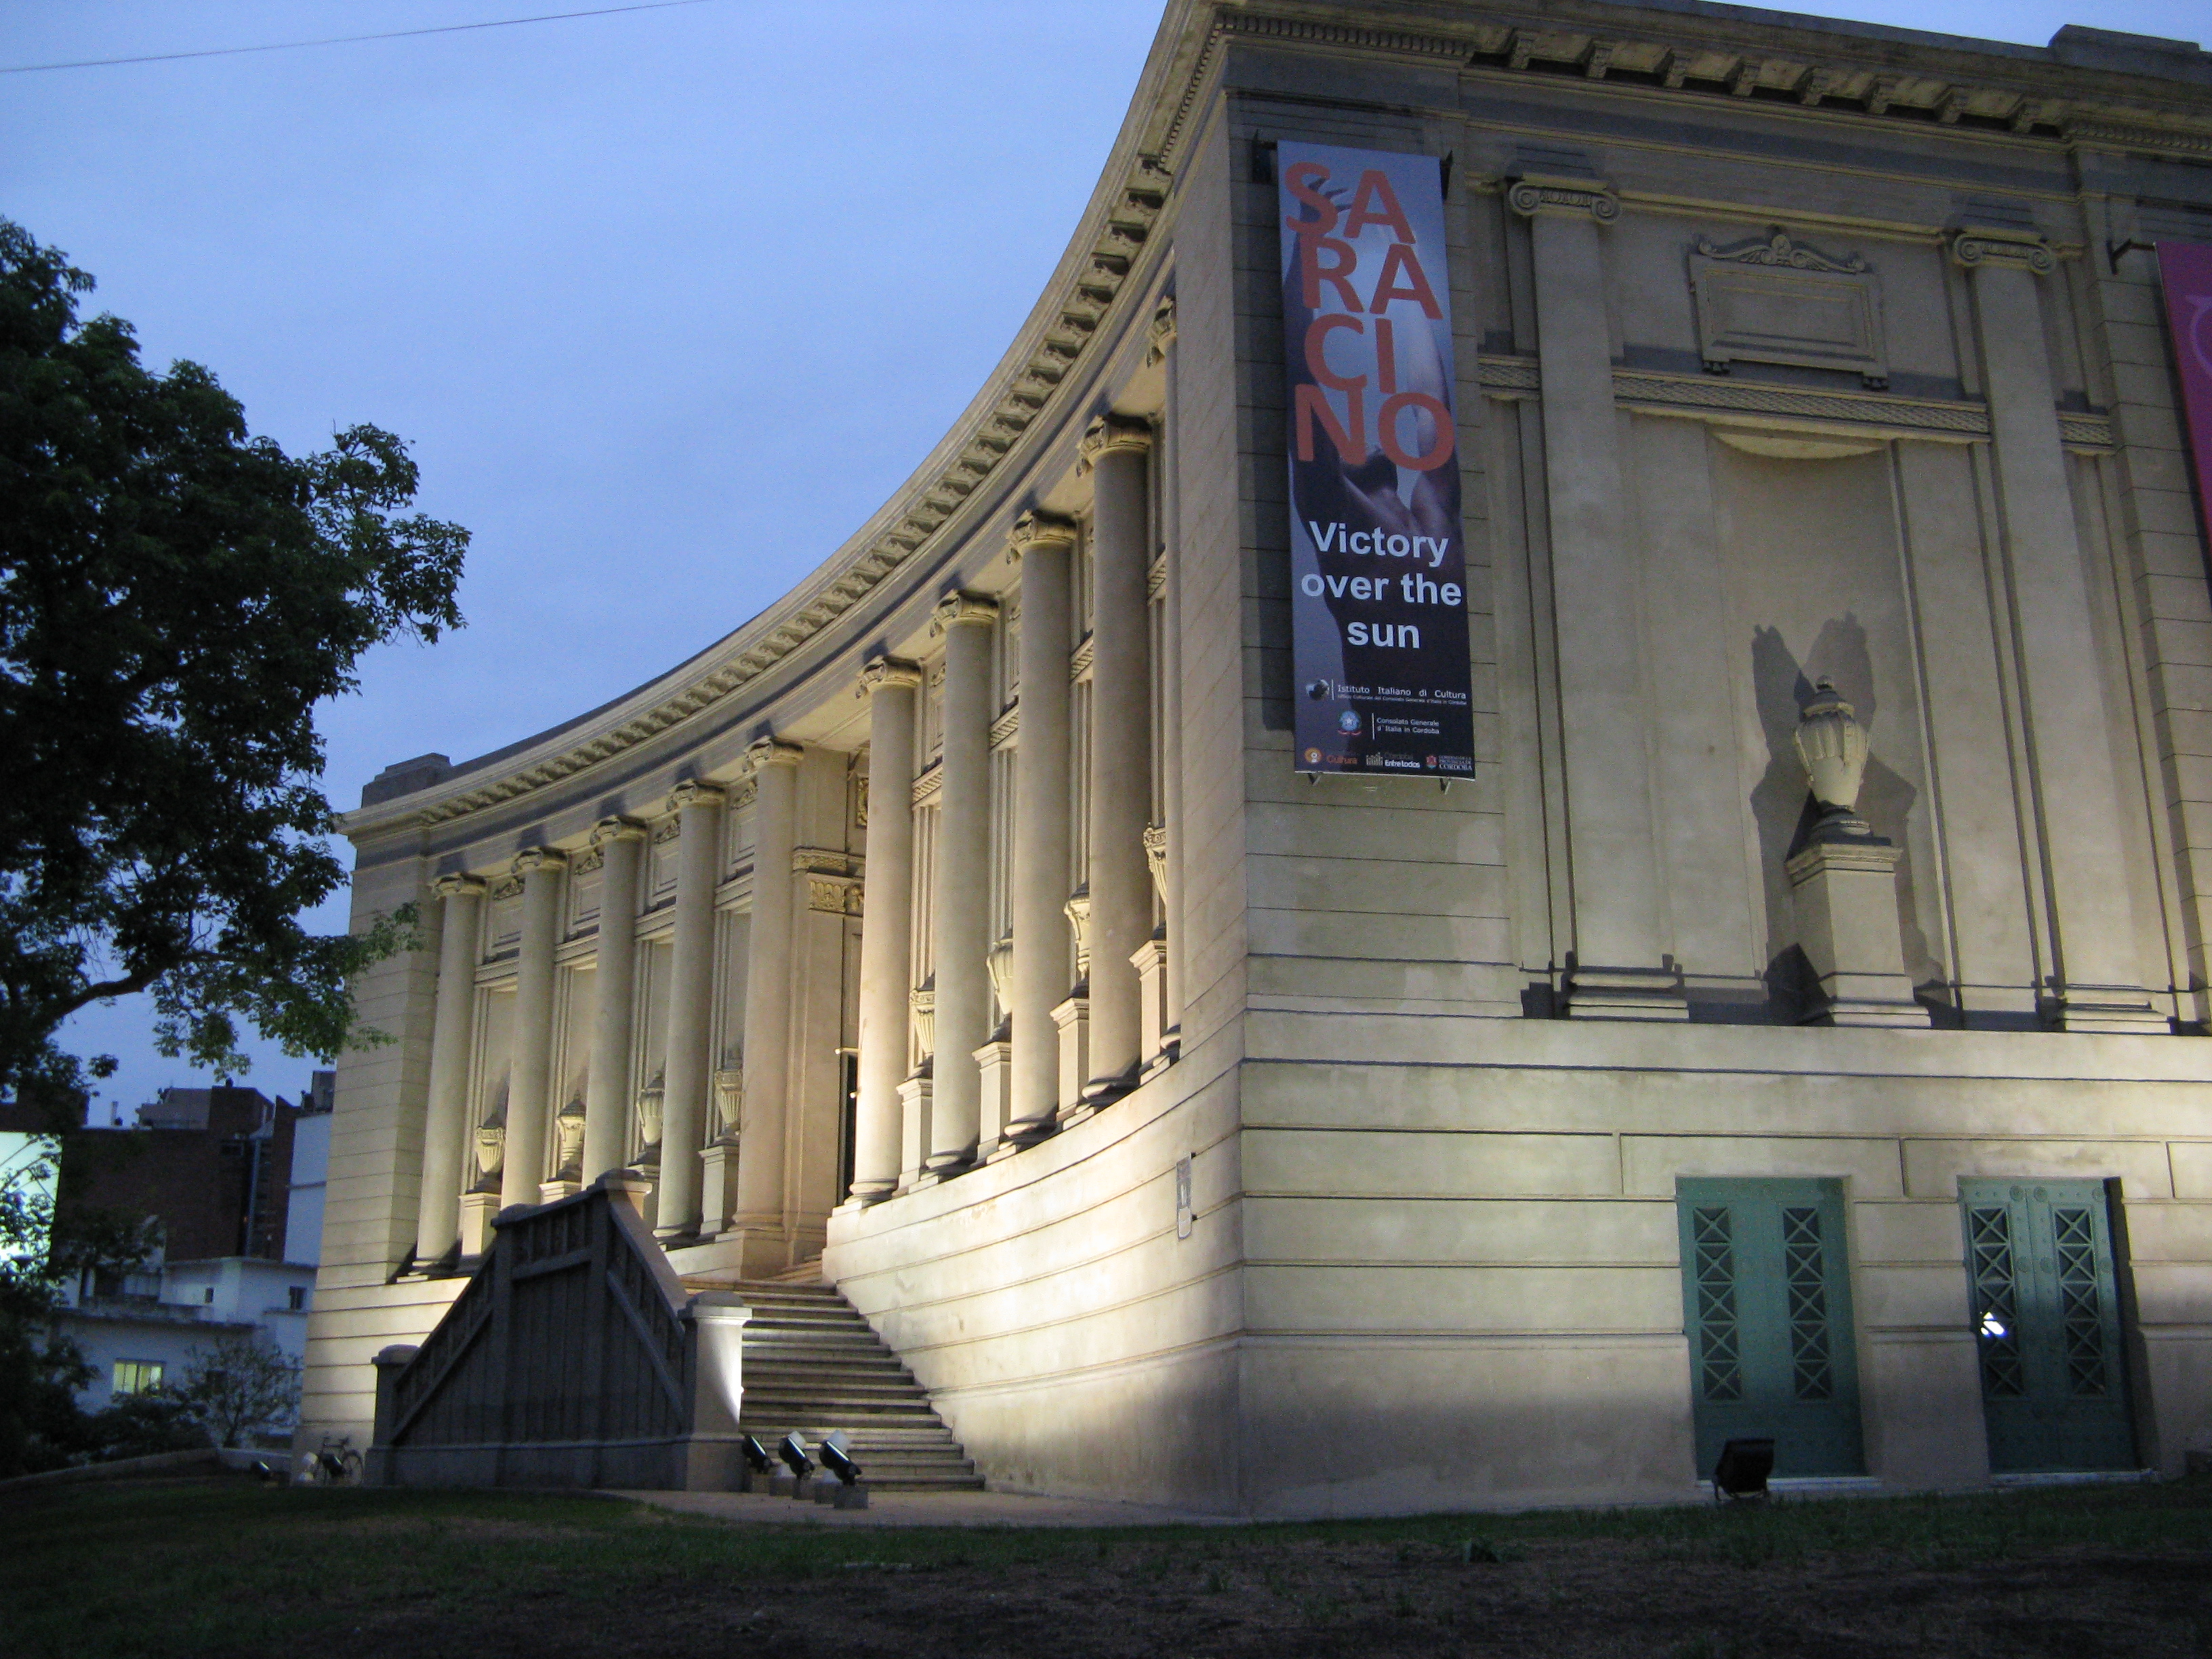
x=1982, y=245
x=1536, y=193
x=539, y=858
x=1161, y=333
x=961, y=608
x=456, y=887
x=764, y=752
x=1112, y=435
x=694, y=792
x=614, y=829
x=1038, y=529
x=889, y=674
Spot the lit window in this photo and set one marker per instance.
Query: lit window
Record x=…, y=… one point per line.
x=137, y=1376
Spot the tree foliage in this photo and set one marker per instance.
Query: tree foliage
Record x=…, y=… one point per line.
x=175, y=598
x=238, y=1386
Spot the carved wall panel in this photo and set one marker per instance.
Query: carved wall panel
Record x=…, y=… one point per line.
x=1773, y=301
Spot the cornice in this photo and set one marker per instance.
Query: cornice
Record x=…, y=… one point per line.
x=1772, y=59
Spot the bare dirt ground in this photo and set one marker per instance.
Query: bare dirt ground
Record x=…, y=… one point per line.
x=209, y=1569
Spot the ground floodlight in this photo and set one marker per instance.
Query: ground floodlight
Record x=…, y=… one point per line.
x=1743, y=1469
x=756, y=1458
x=794, y=1453
x=840, y=1465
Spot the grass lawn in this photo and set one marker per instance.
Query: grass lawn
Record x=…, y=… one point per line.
x=232, y=1568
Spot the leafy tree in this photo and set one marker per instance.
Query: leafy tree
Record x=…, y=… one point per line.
x=40, y=1370
x=142, y=1423
x=238, y=1386
x=175, y=598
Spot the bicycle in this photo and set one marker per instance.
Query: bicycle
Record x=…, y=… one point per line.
x=336, y=1464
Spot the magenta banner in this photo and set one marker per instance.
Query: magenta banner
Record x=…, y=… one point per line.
x=2185, y=269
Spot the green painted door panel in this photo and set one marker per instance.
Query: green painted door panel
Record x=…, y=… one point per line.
x=1767, y=1302
x=2047, y=1323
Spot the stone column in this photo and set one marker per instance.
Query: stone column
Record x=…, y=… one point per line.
x=886, y=926
x=768, y=967
x=1045, y=544
x=437, y=1213
x=1121, y=746
x=530, y=1083
x=1617, y=971
x=2096, y=979
x=1163, y=350
x=687, y=1076
x=607, y=1089
x=962, y=911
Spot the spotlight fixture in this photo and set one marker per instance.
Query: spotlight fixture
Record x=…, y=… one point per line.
x=794, y=1453
x=1742, y=1470
x=842, y=1467
x=756, y=1458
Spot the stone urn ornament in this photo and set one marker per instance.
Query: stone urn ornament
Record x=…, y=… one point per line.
x=921, y=1007
x=1831, y=746
x=568, y=1135
x=491, y=1154
x=649, y=1100
x=729, y=1103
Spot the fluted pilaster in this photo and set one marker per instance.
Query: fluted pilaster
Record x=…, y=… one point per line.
x=768, y=969
x=530, y=1090
x=687, y=1075
x=614, y=981
x=962, y=910
x=1120, y=745
x=886, y=932
x=1042, y=786
x=437, y=1215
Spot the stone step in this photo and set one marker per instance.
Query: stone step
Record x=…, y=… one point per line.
x=813, y=1366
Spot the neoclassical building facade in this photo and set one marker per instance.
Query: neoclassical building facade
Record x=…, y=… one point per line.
x=1788, y=1024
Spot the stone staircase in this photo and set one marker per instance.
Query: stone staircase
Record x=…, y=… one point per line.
x=812, y=1363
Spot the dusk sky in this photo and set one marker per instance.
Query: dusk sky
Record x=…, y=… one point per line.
x=665, y=301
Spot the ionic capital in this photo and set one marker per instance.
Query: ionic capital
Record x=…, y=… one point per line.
x=531, y=859
x=1980, y=246
x=456, y=887
x=890, y=674
x=764, y=752
x=1161, y=333
x=617, y=828
x=1536, y=193
x=960, y=609
x=1039, y=530
x=1112, y=435
x=694, y=792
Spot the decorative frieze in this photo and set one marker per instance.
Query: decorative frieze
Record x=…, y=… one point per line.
x=1878, y=415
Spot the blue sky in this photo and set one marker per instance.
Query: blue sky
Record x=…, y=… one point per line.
x=666, y=302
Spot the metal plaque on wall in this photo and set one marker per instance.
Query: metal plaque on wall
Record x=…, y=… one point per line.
x=1378, y=558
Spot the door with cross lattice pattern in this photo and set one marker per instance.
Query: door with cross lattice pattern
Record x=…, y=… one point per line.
x=2047, y=1326
x=1766, y=1296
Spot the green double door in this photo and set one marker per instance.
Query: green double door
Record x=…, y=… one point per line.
x=1767, y=1301
x=2047, y=1325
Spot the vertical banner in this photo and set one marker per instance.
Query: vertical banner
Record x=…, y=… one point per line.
x=1378, y=559
x=2184, y=269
